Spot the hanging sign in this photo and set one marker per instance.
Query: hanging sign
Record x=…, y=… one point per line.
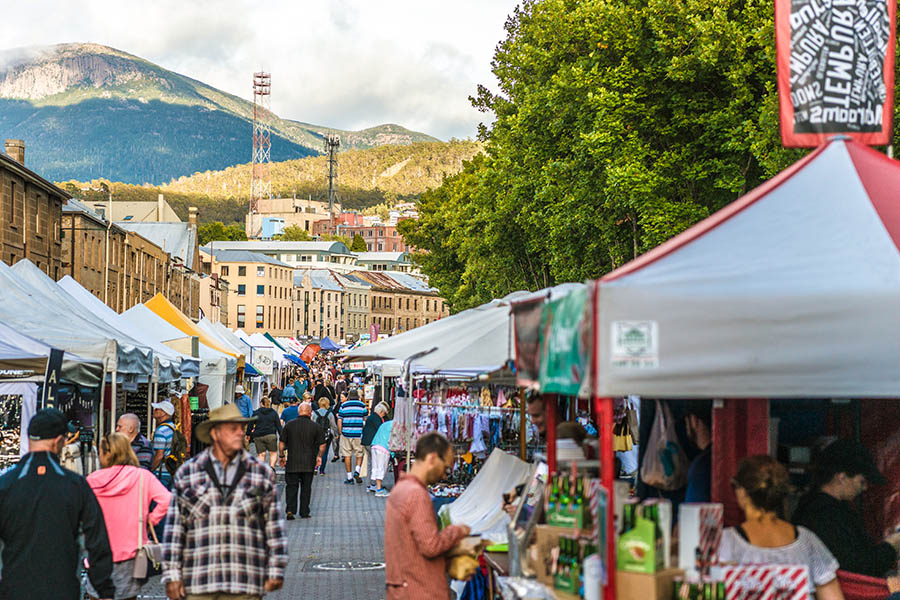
x=51, y=379
x=563, y=349
x=835, y=70
x=263, y=360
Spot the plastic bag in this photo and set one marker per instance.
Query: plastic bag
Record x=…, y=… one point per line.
x=665, y=465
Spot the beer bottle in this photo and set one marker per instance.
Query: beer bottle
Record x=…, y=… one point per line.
x=720, y=590
x=554, y=492
x=564, y=493
x=579, y=491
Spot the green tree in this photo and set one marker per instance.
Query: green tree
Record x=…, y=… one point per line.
x=294, y=233
x=218, y=232
x=617, y=125
x=358, y=244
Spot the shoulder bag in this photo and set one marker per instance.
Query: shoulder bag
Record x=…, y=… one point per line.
x=148, y=560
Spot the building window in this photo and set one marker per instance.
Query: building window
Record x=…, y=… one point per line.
x=241, y=315
x=260, y=271
x=224, y=271
x=260, y=290
x=242, y=271
x=260, y=311
x=242, y=289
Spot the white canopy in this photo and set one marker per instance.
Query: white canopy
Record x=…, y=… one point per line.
x=75, y=369
x=172, y=365
x=791, y=291
x=33, y=313
x=140, y=356
x=217, y=370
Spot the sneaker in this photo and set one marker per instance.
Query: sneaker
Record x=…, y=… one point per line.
x=372, y=488
x=290, y=516
x=382, y=493
x=348, y=482
x=357, y=478
x=335, y=459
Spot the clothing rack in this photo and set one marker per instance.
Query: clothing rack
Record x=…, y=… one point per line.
x=466, y=406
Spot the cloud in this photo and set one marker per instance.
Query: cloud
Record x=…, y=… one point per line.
x=349, y=64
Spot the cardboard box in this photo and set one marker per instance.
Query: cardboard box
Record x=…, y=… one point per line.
x=546, y=538
x=700, y=531
x=646, y=586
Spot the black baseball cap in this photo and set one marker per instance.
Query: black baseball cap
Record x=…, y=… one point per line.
x=48, y=423
x=852, y=458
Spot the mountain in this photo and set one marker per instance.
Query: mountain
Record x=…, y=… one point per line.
x=88, y=111
x=380, y=175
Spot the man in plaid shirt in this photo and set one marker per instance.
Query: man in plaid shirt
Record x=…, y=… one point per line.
x=225, y=532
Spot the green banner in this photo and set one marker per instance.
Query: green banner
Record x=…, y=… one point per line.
x=563, y=357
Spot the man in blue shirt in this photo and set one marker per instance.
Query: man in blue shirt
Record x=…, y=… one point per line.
x=300, y=386
x=290, y=412
x=289, y=393
x=351, y=419
x=162, y=440
x=243, y=402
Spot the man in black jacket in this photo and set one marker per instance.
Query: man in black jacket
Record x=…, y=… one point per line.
x=843, y=470
x=304, y=441
x=42, y=508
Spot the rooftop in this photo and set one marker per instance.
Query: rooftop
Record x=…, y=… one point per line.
x=243, y=256
x=319, y=279
x=382, y=257
x=178, y=239
x=280, y=246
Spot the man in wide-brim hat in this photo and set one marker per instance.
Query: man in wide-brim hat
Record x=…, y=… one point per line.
x=225, y=530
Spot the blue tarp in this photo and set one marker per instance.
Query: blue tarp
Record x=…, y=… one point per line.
x=328, y=345
x=250, y=371
x=297, y=361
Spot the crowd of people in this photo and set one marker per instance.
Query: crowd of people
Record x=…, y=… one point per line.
x=214, y=525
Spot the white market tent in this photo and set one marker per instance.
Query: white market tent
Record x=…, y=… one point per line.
x=40, y=316
x=470, y=343
x=217, y=370
x=210, y=329
x=172, y=365
x=791, y=291
x=15, y=346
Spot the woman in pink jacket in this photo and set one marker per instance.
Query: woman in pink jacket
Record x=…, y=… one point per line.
x=118, y=487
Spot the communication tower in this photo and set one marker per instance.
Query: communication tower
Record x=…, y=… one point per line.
x=260, y=182
x=332, y=143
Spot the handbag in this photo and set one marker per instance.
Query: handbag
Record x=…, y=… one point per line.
x=665, y=465
x=148, y=560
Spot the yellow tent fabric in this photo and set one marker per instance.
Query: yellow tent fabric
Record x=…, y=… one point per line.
x=170, y=313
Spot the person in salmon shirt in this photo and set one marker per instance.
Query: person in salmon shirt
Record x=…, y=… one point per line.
x=124, y=490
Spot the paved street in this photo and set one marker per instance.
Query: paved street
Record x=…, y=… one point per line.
x=347, y=526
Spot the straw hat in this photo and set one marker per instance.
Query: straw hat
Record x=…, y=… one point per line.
x=224, y=414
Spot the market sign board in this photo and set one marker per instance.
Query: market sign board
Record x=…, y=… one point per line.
x=635, y=344
x=564, y=349
x=835, y=70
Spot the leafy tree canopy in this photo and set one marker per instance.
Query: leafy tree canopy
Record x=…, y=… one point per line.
x=618, y=125
x=219, y=232
x=294, y=233
x=359, y=244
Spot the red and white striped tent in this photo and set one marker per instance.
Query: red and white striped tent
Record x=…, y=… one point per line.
x=792, y=290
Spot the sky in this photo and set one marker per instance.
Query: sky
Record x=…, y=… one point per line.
x=348, y=64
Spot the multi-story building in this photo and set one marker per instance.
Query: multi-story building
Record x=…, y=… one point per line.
x=318, y=304
x=400, y=302
x=385, y=261
x=356, y=305
x=214, y=297
x=138, y=212
x=259, y=289
x=121, y=267
x=379, y=237
x=302, y=212
x=300, y=255
x=32, y=213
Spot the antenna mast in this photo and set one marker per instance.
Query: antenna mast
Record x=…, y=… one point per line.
x=260, y=182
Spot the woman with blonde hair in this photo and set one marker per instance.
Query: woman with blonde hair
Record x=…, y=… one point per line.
x=125, y=491
x=761, y=487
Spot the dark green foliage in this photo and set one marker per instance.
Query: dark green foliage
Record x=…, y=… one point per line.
x=219, y=232
x=358, y=244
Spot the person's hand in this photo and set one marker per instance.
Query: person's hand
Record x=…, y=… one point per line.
x=466, y=530
x=282, y=461
x=318, y=461
x=175, y=590
x=273, y=585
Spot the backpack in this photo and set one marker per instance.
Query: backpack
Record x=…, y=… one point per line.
x=178, y=451
x=323, y=422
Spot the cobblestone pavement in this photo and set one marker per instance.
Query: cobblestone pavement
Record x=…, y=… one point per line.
x=346, y=526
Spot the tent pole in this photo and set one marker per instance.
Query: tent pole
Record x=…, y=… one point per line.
x=151, y=398
x=522, y=424
x=550, y=401
x=100, y=423
x=112, y=402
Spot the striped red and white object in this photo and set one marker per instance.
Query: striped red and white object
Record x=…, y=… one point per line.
x=712, y=518
x=767, y=582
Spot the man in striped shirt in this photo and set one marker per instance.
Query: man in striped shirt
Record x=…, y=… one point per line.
x=351, y=419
